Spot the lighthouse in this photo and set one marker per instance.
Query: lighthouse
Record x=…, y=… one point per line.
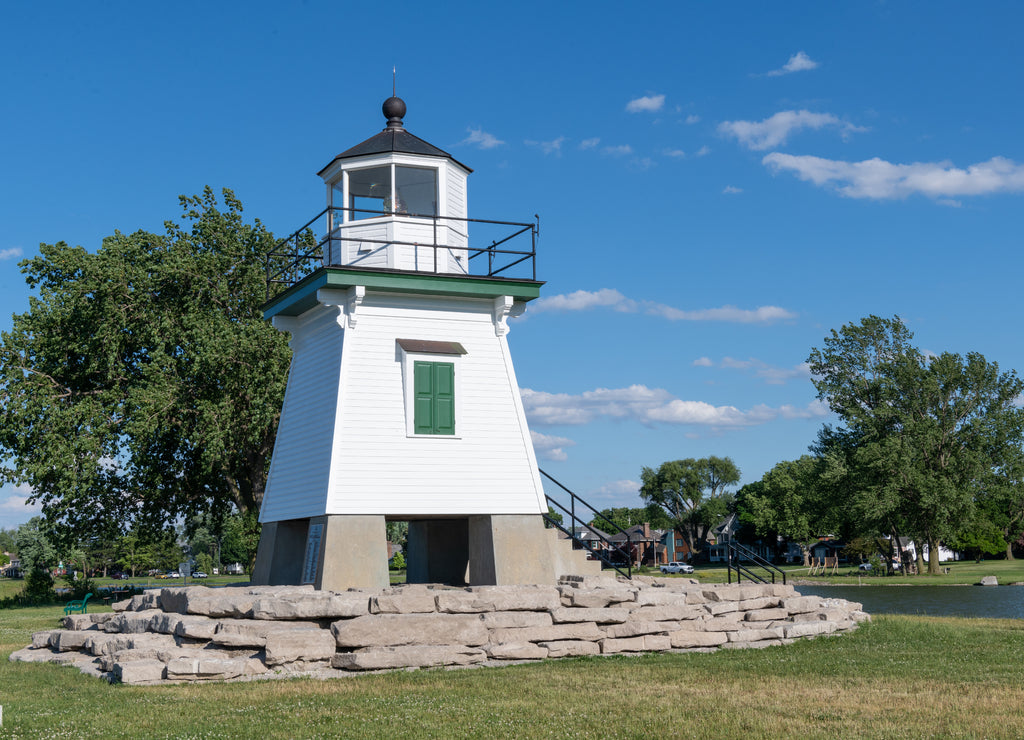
x=402, y=402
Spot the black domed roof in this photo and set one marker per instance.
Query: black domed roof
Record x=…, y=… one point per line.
x=394, y=138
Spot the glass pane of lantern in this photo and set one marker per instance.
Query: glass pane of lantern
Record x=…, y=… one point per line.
x=369, y=192
x=416, y=188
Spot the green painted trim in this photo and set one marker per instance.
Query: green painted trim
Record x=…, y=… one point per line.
x=302, y=296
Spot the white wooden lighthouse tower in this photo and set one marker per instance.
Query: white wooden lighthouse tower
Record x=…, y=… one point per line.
x=402, y=402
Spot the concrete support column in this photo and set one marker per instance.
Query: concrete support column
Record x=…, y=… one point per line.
x=509, y=549
x=353, y=552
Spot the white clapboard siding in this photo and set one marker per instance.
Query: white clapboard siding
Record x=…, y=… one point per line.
x=375, y=466
x=300, y=468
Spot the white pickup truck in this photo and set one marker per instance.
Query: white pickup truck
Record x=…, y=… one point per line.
x=677, y=568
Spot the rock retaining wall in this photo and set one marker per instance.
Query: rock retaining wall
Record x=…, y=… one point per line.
x=198, y=633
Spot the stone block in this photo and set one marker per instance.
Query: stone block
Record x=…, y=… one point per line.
x=634, y=628
x=32, y=655
x=722, y=593
x=519, y=598
x=555, y=633
x=766, y=615
x=131, y=622
x=407, y=656
x=42, y=639
x=315, y=605
x=763, y=602
x=660, y=596
x=570, y=648
x=611, y=615
x=801, y=604
x=412, y=599
x=139, y=672
x=683, y=639
x=146, y=600
x=65, y=640
x=696, y=597
x=85, y=621
x=305, y=645
x=782, y=590
x=751, y=635
x=638, y=644
x=516, y=651
x=715, y=608
x=99, y=643
x=411, y=629
x=212, y=668
x=725, y=623
x=463, y=601
x=253, y=632
x=668, y=613
x=807, y=629
x=500, y=620
x=989, y=581
x=597, y=598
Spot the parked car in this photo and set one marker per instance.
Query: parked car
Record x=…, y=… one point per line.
x=866, y=566
x=674, y=567
x=199, y=574
x=173, y=574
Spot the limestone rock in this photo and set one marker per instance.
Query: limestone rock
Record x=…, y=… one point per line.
x=407, y=656
x=989, y=581
x=554, y=633
x=516, y=651
x=139, y=672
x=498, y=620
x=570, y=648
x=317, y=605
x=693, y=639
x=638, y=644
x=411, y=629
x=411, y=599
x=668, y=613
x=254, y=632
x=305, y=645
x=766, y=615
x=519, y=598
x=801, y=604
x=634, y=628
x=583, y=614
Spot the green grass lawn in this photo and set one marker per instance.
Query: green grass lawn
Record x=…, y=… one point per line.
x=897, y=677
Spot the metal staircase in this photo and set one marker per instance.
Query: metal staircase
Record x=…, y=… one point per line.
x=746, y=562
x=585, y=537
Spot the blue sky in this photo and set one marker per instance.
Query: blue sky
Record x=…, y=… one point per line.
x=718, y=185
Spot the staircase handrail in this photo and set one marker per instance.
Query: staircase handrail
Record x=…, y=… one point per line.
x=737, y=550
x=575, y=522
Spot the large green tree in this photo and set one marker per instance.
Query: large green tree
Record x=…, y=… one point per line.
x=693, y=495
x=795, y=500
x=925, y=435
x=143, y=384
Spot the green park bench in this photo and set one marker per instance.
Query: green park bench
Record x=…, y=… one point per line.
x=77, y=605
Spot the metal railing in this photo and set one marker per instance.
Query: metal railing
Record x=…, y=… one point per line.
x=610, y=554
x=303, y=251
x=737, y=553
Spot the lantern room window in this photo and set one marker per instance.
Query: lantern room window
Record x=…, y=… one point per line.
x=390, y=189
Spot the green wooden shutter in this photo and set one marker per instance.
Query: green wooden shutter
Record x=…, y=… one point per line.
x=433, y=398
x=423, y=398
x=444, y=398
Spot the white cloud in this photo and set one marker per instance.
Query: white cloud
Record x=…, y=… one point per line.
x=590, y=143
x=641, y=163
x=550, y=447
x=775, y=130
x=14, y=506
x=878, y=179
x=617, y=151
x=650, y=406
x=704, y=150
x=10, y=253
x=548, y=147
x=799, y=62
x=584, y=300
x=481, y=139
x=646, y=104
x=618, y=488
x=692, y=119
x=730, y=190
x=771, y=374
x=676, y=153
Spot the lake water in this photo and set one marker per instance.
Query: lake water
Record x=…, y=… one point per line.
x=1000, y=602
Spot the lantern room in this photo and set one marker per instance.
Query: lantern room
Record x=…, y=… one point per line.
x=396, y=202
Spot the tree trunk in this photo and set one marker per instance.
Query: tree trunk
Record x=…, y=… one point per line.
x=1009, y=551
x=919, y=553
x=806, y=551
x=933, y=557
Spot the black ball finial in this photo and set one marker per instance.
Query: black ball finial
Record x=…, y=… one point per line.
x=394, y=111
